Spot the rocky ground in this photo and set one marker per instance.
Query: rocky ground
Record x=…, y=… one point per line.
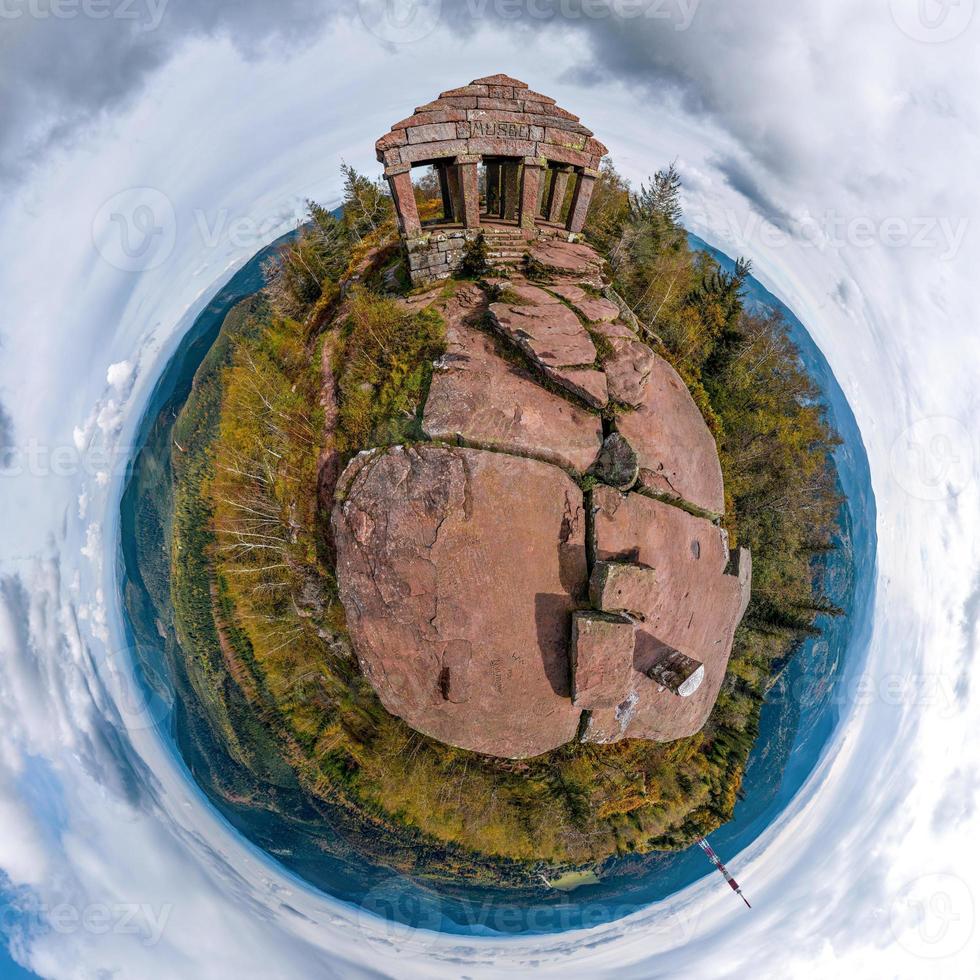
x=562, y=446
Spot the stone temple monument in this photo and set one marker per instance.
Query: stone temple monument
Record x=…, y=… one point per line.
x=510, y=164
x=547, y=563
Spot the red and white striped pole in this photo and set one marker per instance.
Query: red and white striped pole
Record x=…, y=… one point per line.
x=716, y=861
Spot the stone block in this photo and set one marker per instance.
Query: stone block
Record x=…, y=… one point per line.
x=500, y=79
x=562, y=137
x=504, y=147
x=595, y=148
x=549, y=109
x=602, y=659
x=562, y=154
x=432, y=133
x=459, y=102
x=464, y=90
x=425, y=116
x=390, y=140
x=623, y=587
x=530, y=95
x=556, y=122
x=426, y=151
x=677, y=672
x=510, y=105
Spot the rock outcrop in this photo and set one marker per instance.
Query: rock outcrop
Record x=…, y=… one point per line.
x=459, y=570
x=479, y=398
x=676, y=451
x=477, y=608
x=553, y=336
x=694, y=608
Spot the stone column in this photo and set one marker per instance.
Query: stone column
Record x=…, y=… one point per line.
x=511, y=189
x=455, y=190
x=530, y=195
x=400, y=181
x=470, y=186
x=559, y=187
x=447, y=198
x=580, y=202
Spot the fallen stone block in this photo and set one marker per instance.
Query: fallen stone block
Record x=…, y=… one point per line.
x=602, y=659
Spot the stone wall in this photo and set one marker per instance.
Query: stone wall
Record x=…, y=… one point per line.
x=437, y=255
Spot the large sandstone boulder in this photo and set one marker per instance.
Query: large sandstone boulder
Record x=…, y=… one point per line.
x=459, y=570
x=694, y=608
x=462, y=562
x=553, y=336
x=676, y=451
x=479, y=398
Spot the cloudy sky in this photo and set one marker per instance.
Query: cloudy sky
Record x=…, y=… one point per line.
x=836, y=144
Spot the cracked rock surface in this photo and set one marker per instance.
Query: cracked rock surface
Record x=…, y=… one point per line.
x=459, y=570
x=463, y=562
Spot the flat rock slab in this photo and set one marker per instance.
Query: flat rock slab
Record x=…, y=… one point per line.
x=594, y=309
x=459, y=570
x=629, y=366
x=478, y=397
x=569, y=259
x=602, y=659
x=675, y=449
x=590, y=385
x=550, y=333
x=694, y=608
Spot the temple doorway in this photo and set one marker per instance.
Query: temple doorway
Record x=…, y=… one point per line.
x=500, y=188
